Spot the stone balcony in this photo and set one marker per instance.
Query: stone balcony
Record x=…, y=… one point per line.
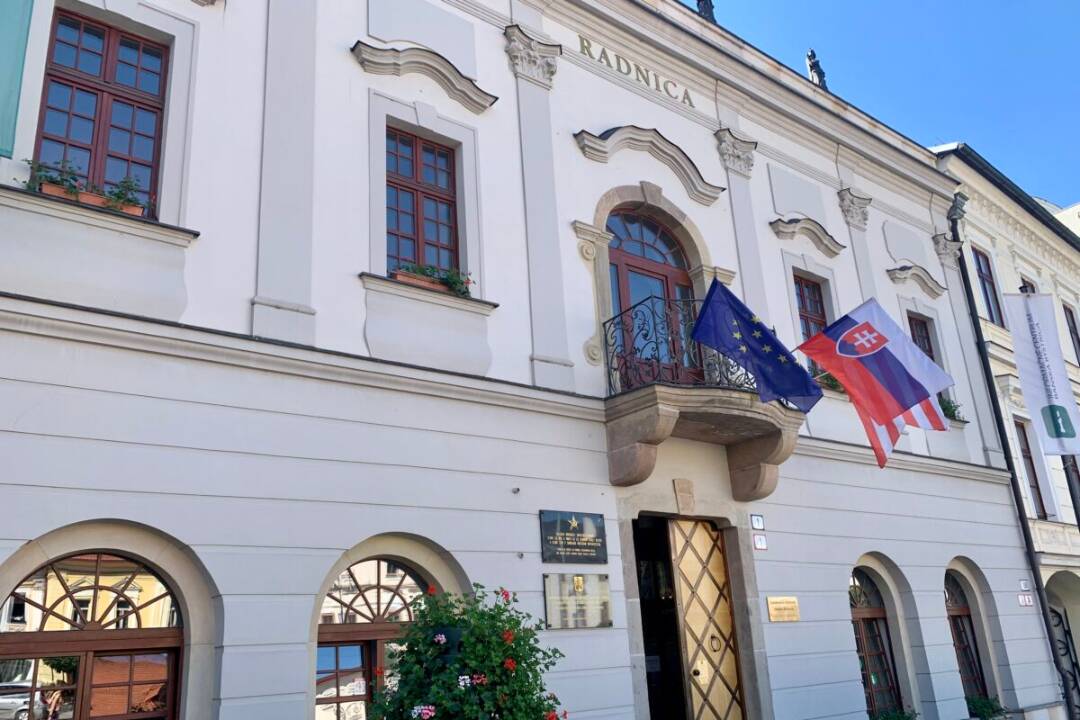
x=662, y=384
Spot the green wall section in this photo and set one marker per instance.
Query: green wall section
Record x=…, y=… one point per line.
x=13, y=32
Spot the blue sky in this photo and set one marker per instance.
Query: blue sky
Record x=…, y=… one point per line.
x=1001, y=75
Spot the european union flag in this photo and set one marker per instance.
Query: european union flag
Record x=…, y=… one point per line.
x=728, y=326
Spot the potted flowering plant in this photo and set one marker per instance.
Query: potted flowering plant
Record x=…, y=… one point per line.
x=434, y=278
x=469, y=657
x=62, y=180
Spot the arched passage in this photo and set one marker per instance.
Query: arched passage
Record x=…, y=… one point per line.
x=1063, y=593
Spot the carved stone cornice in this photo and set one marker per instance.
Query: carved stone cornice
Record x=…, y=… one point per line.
x=948, y=250
x=956, y=210
x=388, y=61
x=919, y=276
x=601, y=147
x=758, y=436
x=855, y=208
x=531, y=59
x=823, y=241
x=737, y=153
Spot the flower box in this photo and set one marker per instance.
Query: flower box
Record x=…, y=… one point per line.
x=86, y=197
x=422, y=281
x=56, y=190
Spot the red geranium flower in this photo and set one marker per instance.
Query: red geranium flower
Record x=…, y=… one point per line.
x=379, y=672
x=565, y=714
x=504, y=594
x=431, y=590
x=552, y=715
x=508, y=636
x=510, y=664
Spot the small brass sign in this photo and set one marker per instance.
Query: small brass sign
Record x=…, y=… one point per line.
x=783, y=609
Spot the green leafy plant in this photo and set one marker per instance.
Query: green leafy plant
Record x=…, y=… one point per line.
x=123, y=193
x=950, y=408
x=468, y=657
x=64, y=174
x=827, y=380
x=986, y=708
x=455, y=280
x=897, y=715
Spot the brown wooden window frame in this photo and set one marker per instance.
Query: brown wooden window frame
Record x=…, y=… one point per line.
x=107, y=90
x=1029, y=470
x=869, y=619
x=422, y=192
x=88, y=641
x=922, y=334
x=985, y=272
x=811, y=321
x=965, y=642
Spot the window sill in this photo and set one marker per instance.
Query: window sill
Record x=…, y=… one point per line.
x=403, y=322
x=65, y=209
x=378, y=283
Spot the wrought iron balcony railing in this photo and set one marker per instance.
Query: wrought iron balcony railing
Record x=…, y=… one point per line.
x=649, y=343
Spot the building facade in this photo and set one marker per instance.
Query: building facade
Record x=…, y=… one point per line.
x=237, y=443
x=1014, y=243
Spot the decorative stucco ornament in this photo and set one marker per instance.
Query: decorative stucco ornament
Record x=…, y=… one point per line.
x=531, y=59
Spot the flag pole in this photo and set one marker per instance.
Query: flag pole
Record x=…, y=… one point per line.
x=955, y=213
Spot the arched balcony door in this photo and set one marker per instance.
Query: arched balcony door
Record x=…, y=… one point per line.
x=362, y=614
x=92, y=635
x=652, y=299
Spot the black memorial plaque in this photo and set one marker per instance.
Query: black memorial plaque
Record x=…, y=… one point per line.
x=572, y=537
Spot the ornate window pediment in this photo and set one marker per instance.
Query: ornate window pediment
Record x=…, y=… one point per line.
x=389, y=61
x=603, y=146
x=823, y=241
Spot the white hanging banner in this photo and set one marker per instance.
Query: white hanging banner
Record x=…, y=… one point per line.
x=1048, y=393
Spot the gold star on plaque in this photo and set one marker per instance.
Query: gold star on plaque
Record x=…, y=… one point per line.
x=574, y=523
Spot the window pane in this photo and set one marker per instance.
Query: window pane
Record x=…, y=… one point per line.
x=82, y=130
x=115, y=169
x=106, y=701
x=148, y=81
x=147, y=698
x=431, y=255
x=407, y=249
x=407, y=226
x=80, y=159
x=68, y=31
x=56, y=123
x=90, y=63
x=51, y=152
x=151, y=59
x=143, y=148
x=141, y=173
x=429, y=174
x=150, y=667
x=59, y=95
x=111, y=669
x=93, y=39
x=326, y=712
x=121, y=114
x=128, y=51
x=85, y=103
x=353, y=711
x=64, y=55
x=145, y=122
x=125, y=74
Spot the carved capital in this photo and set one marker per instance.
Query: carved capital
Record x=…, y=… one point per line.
x=736, y=152
x=531, y=59
x=948, y=250
x=855, y=208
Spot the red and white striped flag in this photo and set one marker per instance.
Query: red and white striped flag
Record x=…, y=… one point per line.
x=883, y=438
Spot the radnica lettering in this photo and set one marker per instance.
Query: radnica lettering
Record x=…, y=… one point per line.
x=649, y=78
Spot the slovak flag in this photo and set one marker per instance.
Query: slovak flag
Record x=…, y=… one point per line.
x=883, y=371
x=883, y=438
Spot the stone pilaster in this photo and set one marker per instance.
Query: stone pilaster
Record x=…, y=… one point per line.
x=856, y=211
x=534, y=65
x=737, y=154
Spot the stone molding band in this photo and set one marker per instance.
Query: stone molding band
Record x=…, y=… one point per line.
x=388, y=61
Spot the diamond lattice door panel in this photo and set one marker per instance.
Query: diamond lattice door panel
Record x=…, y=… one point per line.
x=707, y=622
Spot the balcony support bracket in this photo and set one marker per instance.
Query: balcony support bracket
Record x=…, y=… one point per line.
x=758, y=436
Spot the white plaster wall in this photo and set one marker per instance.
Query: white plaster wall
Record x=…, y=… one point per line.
x=268, y=476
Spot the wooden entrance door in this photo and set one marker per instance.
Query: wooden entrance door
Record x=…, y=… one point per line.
x=706, y=622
